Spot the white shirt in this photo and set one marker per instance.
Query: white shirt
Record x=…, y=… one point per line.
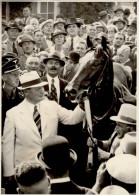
x=76, y=39
x=62, y=55
x=56, y=84
x=60, y=180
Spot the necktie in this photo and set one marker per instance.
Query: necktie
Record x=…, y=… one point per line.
x=14, y=49
x=37, y=119
x=71, y=47
x=115, y=52
x=53, y=95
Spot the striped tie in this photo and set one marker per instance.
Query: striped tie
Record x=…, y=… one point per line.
x=53, y=95
x=37, y=119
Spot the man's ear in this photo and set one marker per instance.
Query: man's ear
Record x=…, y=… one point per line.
x=19, y=191
x=4, y=77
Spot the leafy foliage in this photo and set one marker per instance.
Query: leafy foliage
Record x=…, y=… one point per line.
x=16, y=9
x=87, y=10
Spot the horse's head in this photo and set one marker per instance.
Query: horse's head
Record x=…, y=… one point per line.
x=89, y=72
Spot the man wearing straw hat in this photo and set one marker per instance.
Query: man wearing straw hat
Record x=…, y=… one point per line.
x=126, y=122
x=29, y=123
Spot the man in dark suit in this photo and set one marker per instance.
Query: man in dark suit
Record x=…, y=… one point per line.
x=57, y=157
x=10, y=77
x=103, y=15
x=75, y=135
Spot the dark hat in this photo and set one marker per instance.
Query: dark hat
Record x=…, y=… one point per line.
x=56, y=154
x=119, y=8
x=72, y=21
x=99, y=25
x=54, y=56
x=41, y=20
x=59, y=20
x=26, y=38
x=130, y=44
x=127, y=11
x=57, y=32
x=14, y=25
x=119, y=19
x=74, y=56
x=102, y=13
x=133, y=23
x=4, y=23
x=9, y=62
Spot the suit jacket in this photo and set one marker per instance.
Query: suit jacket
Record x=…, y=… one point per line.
x=68, y=188
x=9, y=48
x=21, y=139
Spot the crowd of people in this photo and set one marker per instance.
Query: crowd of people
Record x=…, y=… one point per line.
x=45, y=149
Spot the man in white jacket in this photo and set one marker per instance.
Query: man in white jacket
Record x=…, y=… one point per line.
x=22, y=137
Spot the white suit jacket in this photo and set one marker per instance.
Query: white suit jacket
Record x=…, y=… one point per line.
x=21, y=140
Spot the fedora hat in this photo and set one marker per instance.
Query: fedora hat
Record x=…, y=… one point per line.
x=103, y=13
x=71, y=21
x=133, y=23
x=45, y=22
x=126, y=114
x=9, y=63
x=26, y=38
x=59, y=20
x=73, y=56
x=122, y=168
x=118, y=8
x=12, y=24
x=127, y=144
x=30, y=80
x=119, y=19
x=57, y=32
x=56, y=154
x=114, y=190
x=54, y=56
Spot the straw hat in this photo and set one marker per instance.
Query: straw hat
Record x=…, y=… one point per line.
x=114, y=190
x=30, y=80
x=126, y=114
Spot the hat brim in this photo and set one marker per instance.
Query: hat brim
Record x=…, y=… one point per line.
x=20, y=43
x=64, y=23
x=60, y=33
x=119, y=21
x=20, y=30
x=117, y=119
x=73, y=159
x=77, y=23
x=47, y=59
x=33, y=86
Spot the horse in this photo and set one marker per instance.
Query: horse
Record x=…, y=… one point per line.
x=95, y=76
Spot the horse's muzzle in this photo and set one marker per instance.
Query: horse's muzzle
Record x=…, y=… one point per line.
x=70, y=93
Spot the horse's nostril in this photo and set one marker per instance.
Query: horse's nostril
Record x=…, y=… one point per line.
x=73, y=92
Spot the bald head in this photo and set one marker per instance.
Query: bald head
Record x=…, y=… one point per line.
x=32, y=63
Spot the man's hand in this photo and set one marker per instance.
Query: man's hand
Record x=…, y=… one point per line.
x=92, y=143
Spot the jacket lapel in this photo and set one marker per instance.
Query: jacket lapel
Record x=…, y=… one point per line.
x=27, y=117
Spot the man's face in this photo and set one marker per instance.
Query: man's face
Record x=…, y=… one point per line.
x=111, y=31
x=59, y=39
x=99, y=30
x=131, y=30
x=48, y=28
x=27, y=47
x=72, y=30
x=80, y=48
x=59, y=26
x=38, y=37
x=69, y=65
x=120, y=25
x=119, y=13
x=29, y=30
x=32, y=64
x=91, y=31
x=12, y=78
x=53, y=67
x=118, y=40
x=34, y=22
x=26, y=12
x=13, y=33
x=35, y=94
x=124, y=56
x=122, y=129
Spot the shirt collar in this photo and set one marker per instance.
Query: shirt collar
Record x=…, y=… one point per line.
x=50, y=78
x=60, y=180
x=31, y=106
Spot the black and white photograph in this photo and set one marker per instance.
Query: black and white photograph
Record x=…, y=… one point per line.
x=69, y=97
